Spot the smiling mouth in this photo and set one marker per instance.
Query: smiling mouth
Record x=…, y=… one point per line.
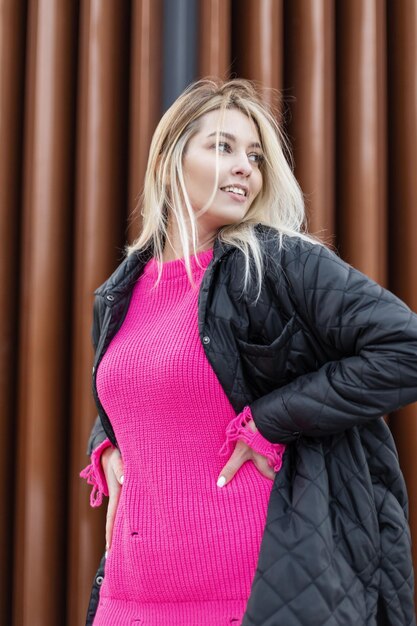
x=235, y=191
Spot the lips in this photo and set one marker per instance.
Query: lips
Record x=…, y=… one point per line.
x=236, y=188
x=238, y=197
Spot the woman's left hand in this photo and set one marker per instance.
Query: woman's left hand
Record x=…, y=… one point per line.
x=239, y=456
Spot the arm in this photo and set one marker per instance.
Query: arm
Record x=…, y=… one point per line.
x=373, y=332
x=95, y=476
x=98, y=441
x=97, y=436
x=250, y=445
x=243, y=428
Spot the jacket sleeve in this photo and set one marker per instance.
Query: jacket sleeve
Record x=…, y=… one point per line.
x=373, y=334
x=238, y=429
x=97, y=435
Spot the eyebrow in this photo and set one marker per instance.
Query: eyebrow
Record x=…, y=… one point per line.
x=233, y=138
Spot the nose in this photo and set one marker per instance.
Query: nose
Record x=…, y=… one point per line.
x=242, y=166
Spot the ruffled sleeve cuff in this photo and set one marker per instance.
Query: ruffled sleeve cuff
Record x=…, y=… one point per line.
x=238, y=429
x=94, y=474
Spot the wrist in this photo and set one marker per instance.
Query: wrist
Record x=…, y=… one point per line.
x=243, y=428
x=105, y=455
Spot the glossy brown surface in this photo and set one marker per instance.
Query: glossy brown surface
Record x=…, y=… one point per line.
x=402, y=162
x=214, y=42
x=145, y=98
x=45, y=314
x=99, y=234
x=12, y=49
x=258, y=49
x=361, y=136
x=309, y=71
x=81, y=86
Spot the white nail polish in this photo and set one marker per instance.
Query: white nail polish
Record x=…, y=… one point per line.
x=106, y=553
x=121, y=479
x=221, y=482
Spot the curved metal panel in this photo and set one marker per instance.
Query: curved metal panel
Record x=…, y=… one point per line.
x=257, y=44
x=145, y=98
x=214, y=40
x=309, y=78
x=12, y=49
x=45, y=314
x=101, y=200
x=402, y=107
x=361, y=135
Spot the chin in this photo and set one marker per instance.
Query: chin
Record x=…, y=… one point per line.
x=222, y=218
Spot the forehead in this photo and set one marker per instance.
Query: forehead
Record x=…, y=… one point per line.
x=230, y=121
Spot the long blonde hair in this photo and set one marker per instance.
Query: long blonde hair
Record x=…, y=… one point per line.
x=279, y=204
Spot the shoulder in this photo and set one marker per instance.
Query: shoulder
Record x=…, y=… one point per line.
x=321, y=282
x=125, y=272
x=295, y=252
x=311, y=271
x=114, y=279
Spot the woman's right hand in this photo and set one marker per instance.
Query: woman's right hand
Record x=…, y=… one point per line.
x=112, y=463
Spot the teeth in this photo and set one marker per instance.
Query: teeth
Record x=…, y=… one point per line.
x=235, y=190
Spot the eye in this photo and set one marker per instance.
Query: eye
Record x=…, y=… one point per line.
x=256, y=157
x=223, y=146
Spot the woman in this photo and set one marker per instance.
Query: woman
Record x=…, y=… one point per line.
x=228, y=335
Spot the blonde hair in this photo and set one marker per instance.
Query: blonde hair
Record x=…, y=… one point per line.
x=279, y=204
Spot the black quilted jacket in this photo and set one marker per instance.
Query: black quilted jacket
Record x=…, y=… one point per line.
x=321, y=356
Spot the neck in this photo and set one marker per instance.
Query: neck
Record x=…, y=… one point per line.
x=172, y=248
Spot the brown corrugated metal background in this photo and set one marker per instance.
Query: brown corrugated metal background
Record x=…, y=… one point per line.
x=80, y=94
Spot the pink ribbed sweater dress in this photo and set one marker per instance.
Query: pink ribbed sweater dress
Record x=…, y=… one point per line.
x=184, y=551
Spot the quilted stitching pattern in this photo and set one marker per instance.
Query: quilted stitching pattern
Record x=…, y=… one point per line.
x=370, y=338
x=319, y=358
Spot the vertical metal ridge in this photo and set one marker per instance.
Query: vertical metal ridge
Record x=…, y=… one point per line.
x=361, y=136
x=258, y=45
x=309, y=30
x=44, y=375
x=214, y=38
x=100, y=211
x=402, y=186
x=145, y=98
x=12, y=56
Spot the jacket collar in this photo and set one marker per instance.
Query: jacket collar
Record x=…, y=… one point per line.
x=129, y=270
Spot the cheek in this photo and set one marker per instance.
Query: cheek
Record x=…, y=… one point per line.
x=200, y=174
x=258, y=184
x=199, y=182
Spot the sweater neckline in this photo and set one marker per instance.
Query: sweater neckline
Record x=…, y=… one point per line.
x=176, y=267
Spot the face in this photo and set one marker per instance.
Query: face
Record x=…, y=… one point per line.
x=240, y=178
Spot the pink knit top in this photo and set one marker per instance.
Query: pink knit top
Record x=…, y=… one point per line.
x=184, y=551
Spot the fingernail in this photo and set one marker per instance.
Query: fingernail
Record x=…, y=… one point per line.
x=106, y=553
x=221, y=482
x=121, y=479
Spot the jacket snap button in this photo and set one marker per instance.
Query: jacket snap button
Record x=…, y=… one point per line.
x=206, y=339
x=99, y=580
x=110, y=297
